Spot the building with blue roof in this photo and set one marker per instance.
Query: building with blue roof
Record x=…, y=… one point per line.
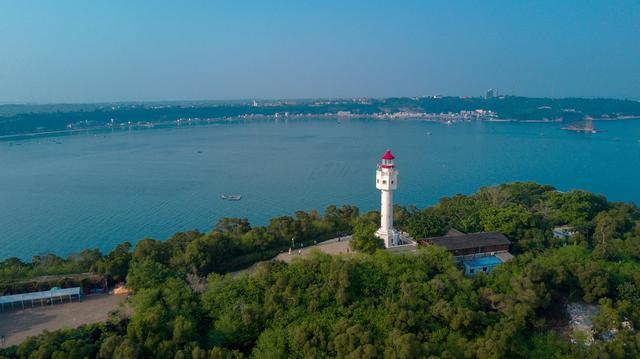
x=474, y=252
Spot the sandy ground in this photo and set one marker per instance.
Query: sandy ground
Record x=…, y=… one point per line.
x=17, y=325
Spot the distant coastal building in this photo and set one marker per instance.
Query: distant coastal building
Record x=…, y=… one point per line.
x=475, y=252
x=584, y=126
x=491, y=93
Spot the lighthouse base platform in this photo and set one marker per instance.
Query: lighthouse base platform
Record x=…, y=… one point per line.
x=394, y=238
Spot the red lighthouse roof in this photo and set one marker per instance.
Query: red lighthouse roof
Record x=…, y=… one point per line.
x=388, y=156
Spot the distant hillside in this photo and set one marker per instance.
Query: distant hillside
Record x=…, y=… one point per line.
x=24, y=119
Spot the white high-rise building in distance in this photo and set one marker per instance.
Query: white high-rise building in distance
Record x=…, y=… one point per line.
x=491, y=93
x=387, y=182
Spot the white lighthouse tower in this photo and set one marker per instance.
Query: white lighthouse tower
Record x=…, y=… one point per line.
x=387, y=182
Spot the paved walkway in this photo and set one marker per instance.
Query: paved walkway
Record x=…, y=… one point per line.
x=333, y=246
x=17, y=325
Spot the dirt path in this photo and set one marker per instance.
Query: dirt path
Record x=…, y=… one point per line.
x=17, y=325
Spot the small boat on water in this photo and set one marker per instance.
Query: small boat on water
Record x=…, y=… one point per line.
x=231, y=197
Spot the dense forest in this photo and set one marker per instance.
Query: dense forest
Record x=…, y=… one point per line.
x=373, y=303
x=23, y=119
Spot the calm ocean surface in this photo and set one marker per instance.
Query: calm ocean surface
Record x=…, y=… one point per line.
x=100, y=189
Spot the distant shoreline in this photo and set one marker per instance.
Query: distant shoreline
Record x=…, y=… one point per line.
x=49, y=120
x=198, y=121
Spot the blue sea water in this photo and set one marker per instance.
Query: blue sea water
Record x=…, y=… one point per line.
x=95, y=190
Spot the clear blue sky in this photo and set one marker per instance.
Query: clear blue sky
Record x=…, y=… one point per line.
x=90, y=51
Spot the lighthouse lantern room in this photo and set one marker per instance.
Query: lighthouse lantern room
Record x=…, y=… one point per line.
x=387, y=182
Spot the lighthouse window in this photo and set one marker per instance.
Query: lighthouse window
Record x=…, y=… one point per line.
x=384, y=181
x=391, y=181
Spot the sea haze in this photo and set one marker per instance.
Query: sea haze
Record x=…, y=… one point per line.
x=95, y=190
